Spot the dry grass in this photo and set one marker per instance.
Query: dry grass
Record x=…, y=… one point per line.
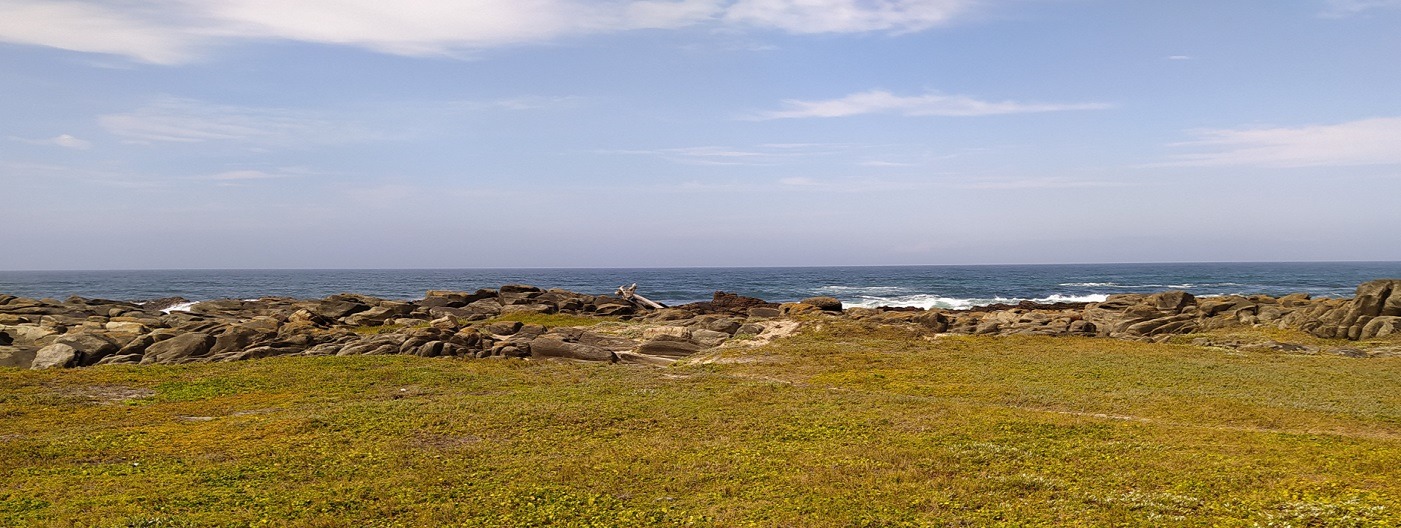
x=846, y=426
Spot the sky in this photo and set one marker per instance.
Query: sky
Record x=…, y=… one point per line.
x=139, y=134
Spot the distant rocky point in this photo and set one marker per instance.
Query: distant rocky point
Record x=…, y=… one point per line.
x=78, y=332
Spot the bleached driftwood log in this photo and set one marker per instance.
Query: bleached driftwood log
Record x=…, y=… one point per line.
x=629, y=293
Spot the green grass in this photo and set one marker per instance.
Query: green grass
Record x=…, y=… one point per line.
x=843, y=426
x=554, y=320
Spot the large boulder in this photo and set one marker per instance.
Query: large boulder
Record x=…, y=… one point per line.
x=91, y=347
x=826, y=304
x=180, y=348
x=57, y=355
x=1383, y=326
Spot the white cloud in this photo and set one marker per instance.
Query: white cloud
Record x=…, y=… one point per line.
x=931, y=104
x=178, y=31
x=189, y=121
x=61, y=140
x=1179, y=57
x=243, y=175
x=846, y=16
x=140, y=30
x=1375, y=141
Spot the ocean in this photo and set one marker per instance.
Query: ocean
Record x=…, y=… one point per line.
x=922, y=286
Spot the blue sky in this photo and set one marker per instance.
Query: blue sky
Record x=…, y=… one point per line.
x=544, y=133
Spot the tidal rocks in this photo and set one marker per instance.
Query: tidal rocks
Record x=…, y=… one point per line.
x=47, y=333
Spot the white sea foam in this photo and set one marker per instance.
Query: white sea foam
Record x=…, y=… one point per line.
x=1091, y=284
x=182, y=307
x=954, y=303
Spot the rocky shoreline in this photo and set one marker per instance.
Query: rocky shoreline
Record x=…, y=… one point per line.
x=79, y=332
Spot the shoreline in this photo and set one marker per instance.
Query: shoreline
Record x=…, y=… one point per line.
x=527, y=322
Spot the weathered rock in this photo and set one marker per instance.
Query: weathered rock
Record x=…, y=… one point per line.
x=797, y=309
x=708, y=338
x=338, y=306
x=236, y=338
x=57, y=355
x=669, y=348
x=549, y=347
x=827, y=304
x=502, y=328
x=1381, y=326
x=179, y=348
x=764, y=312
x=16, y=357
x=485, y=306
x=529, y=308
x=91, y=348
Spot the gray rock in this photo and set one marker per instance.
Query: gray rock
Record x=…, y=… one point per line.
x=669, y=348
x=57, y=355
x=91, y=347
x=708, y=338
x=548, y=347
x=529, y=308
x=16, y=357
x=179, y=348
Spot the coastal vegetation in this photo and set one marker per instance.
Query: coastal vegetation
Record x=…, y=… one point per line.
x=843, y=423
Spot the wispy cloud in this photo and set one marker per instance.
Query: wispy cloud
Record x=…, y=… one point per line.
x=1039, y=183
x=1343, y=8
x=61, y=140
x=190, y=121
x=1375, y=141
x=758, y=155
x=846, y=16
x=930, y=104
x=1179, y=57
x=180, y=31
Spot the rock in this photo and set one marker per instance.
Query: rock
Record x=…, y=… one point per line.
x=16, y=357
x=338, y=306
x=1383, y=326
x=529, y=308
x=669, y=348
x=708, y=338
x=236, y=338
x=676, y=333
x=614, y=310
x=797, y=309
x=933, y=320
x=502, y=328
x=549, y=347
x=1171, y=301
x=485, y=306
x=520, y=288
x=57, y=355
x=727, y=325
x=1372, y=296
x=179, y=348
x=91, y=348
x=6, y=339
x=126, y=327
x=764, y=312
x=826, y=304
x=445, y=323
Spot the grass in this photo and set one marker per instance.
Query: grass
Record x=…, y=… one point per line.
x=845, y=425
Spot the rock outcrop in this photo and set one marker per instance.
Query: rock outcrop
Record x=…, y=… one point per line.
x=77, y=332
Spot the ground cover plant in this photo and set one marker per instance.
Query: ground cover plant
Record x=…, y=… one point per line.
x=842, y=424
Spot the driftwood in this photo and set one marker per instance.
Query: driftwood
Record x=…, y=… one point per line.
x=629, y=293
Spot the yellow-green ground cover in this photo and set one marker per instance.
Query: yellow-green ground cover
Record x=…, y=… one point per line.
x=840, y=425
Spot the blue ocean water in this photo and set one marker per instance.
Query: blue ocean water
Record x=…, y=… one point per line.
x=923, y=286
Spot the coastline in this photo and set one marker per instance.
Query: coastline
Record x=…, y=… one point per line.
x=527, y=322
